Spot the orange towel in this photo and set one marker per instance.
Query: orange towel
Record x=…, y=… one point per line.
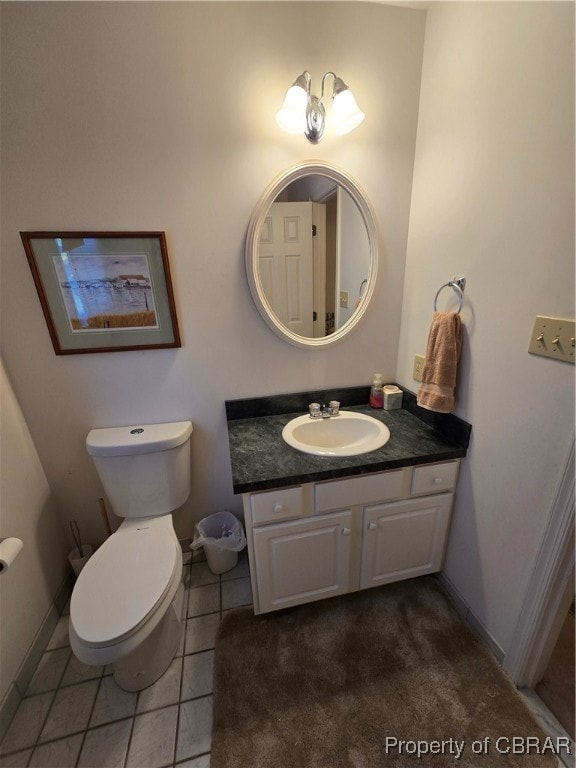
x=442, y=354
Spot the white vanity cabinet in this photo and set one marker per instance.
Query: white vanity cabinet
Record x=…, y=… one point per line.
x=303, y=560
x=404, y=540
x=329, y=538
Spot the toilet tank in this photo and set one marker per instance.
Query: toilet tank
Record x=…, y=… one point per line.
x=145, y=469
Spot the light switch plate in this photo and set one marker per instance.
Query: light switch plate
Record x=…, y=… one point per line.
x=344, y=299
x=419, y=361
x=553, y=337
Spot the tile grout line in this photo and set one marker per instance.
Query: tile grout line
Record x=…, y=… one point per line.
x=219, y=582
x=93, y=707
x=42, y=726
x=185, y=619
x=131, y=734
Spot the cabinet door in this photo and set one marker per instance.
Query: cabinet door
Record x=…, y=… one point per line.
x=301, y=561
x=404, y=539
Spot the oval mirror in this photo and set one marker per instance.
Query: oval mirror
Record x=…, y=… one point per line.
x=312, y=255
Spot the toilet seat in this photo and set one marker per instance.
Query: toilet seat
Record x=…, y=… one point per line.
x=123, y=583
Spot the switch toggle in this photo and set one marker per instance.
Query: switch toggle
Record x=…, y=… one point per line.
x=553, y=337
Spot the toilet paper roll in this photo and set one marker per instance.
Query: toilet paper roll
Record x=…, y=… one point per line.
x=9, y=549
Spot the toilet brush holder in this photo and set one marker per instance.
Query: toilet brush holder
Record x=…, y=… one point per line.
x=78, y=561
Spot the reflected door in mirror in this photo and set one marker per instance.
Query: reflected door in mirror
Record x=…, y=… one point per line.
x=286, y=265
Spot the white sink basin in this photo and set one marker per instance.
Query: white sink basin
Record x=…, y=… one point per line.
x=348, y=434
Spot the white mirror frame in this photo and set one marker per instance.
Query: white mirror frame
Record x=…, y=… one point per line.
x=253, y=238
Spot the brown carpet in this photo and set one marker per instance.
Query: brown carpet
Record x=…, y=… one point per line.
x=342, y=682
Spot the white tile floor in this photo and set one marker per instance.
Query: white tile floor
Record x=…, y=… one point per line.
x=75, y=716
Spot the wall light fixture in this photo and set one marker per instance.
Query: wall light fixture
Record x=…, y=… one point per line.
x=302, y=112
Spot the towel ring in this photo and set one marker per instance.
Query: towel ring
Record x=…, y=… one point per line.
x=458, y=290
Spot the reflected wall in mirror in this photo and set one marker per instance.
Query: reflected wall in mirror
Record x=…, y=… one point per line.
x=311, y=255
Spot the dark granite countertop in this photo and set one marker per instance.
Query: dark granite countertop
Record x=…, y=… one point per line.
x=261, y=459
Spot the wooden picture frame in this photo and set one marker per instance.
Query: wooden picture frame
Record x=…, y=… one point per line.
x=104, y=291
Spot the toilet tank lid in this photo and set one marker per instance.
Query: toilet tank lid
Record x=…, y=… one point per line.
x=139, y=438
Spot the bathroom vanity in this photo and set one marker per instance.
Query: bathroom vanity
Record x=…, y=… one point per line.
x=320, y=526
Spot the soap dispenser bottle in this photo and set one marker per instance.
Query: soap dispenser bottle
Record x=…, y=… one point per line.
x=377, y=392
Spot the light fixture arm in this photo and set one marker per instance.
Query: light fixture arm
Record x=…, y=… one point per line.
x=337, y=87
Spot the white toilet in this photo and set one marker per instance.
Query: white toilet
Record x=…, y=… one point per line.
x=127, y=603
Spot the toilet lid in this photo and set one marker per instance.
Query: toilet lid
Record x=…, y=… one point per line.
x=122, y=583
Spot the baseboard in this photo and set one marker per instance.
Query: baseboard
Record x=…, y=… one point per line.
x=469, y=616
x=19, y=685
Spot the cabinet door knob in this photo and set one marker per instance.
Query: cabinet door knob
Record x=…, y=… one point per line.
x=372, y=526
x=437, y=480
x=278, y=508
x=345, y=531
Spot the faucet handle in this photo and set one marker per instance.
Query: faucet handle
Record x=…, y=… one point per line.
x=315, y=410
x=334, y=406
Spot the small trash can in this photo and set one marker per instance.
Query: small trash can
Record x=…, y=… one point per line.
x=222, y=536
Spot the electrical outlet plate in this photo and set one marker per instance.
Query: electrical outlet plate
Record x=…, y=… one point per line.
x=344, y=299
x=553, y=337
x=419, y=361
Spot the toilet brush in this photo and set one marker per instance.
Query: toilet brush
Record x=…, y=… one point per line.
x=104, y=514
x=76, y=536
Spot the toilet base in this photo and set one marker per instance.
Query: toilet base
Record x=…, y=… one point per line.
x=148, y=662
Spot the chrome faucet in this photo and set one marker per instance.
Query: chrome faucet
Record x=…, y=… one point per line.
x=318, y=411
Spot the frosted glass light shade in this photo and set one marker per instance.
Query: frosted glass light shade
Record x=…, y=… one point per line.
x=346, y=114
x=292, y=116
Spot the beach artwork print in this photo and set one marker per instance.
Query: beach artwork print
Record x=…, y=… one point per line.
x=111, y=292
x=104, y=291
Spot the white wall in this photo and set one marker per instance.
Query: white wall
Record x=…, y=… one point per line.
x=136, y=116
x=27, y=511
x=493, y=199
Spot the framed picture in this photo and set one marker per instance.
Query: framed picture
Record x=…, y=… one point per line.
x=103, y=291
